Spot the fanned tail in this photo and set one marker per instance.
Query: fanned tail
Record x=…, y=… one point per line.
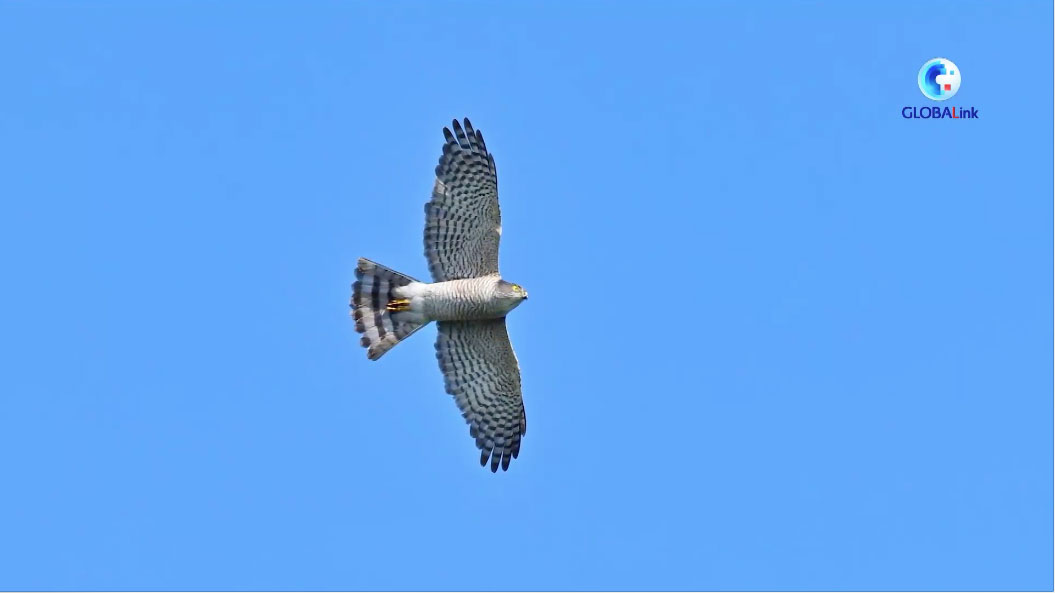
x=381, y=313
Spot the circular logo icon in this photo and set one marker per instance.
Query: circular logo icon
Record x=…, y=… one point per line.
x=939, y=79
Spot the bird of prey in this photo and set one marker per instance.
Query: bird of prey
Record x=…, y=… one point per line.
x=467, y=298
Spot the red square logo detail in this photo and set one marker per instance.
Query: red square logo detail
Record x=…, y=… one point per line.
x=948, y=87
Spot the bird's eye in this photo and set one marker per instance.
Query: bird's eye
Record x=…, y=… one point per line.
x=516, y=288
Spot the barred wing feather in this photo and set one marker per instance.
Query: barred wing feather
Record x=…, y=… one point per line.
x=462, y=220
x=480, y=370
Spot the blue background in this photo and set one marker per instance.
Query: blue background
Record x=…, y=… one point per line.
x=779, y=336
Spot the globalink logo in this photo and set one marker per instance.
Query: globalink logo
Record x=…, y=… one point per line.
x=939, y=80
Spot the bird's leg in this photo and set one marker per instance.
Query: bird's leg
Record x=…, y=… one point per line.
x=398, y=305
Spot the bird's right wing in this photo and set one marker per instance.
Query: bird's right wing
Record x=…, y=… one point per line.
x=481, y=371
x=463, y=221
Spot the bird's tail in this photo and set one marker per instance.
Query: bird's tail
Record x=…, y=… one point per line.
x=381, y=312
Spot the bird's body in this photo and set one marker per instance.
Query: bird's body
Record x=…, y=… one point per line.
x=467, y=298
x=458, y=300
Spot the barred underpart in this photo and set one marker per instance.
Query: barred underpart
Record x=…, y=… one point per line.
x=464, y=300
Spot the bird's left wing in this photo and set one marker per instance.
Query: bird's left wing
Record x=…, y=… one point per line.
x=462, y=221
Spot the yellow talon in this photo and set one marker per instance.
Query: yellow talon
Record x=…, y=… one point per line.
x=398, y=305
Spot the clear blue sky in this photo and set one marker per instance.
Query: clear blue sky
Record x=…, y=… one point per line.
x=779, y=336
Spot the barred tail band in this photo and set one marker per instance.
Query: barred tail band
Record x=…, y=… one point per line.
x=382, y=326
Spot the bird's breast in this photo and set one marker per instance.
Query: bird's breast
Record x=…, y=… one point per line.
x=463, y=300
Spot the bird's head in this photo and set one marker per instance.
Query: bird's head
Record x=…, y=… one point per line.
x=513, y=294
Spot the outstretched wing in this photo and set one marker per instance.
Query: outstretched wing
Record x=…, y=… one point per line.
x=462, y=221
x=480, y=370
